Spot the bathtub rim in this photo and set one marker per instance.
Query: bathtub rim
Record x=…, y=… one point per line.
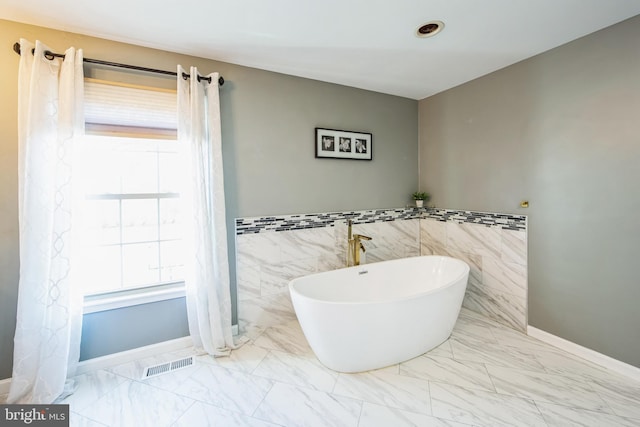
x=451, y=283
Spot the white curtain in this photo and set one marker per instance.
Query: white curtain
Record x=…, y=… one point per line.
x=49, y=316
x=207, y=265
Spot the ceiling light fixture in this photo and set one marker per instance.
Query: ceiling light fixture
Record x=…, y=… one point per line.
x=430, y=29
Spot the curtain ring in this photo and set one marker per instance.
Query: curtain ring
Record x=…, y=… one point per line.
x=200, y=78
x=185, y=76
x=50, y=56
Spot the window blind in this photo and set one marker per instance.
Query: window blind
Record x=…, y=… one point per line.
x=121, y=109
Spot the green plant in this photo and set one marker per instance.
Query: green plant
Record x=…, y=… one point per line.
x=420, y=196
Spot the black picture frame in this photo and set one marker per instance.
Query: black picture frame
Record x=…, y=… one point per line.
x=343, y=144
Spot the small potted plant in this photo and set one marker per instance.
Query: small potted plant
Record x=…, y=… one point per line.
x=420, y=198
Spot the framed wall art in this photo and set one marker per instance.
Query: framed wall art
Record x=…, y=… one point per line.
x=342, y=144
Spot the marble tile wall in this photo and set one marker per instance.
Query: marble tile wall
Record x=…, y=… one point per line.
x=497, y=256
x=271, y=251
x=268, y=258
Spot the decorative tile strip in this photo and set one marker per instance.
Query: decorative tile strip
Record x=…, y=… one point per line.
x=306, y=221
x=504, y=221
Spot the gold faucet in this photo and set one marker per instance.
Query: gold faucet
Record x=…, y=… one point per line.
x=354, y=246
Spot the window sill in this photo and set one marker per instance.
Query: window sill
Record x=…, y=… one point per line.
x=131, y=297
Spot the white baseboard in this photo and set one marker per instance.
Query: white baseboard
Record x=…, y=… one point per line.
x=137, y=353
x=585, y=353
x=110, y=360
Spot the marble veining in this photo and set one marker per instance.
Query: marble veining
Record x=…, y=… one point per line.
x=395, y=391
x=514, y=246
x=310, y=408
x=384, y=416
x=546, y=388
x=563, y=416
x=202, y=414
x=510, y=338
x=483, y=408
x=472, y=350
x=266, y=262
x=276, y=277
x=471, y=330
x=498, y=283
x=135, y=404
x=485, y=375
x=621, y=397
x=257, y=314
x=271, y=251
x=474, y=239
x=391, y=240
x=286, y=337
x=443, y=350
x=301, y=370
x=245, y=358
x=241, y=392
x=567, y=365
x=501, y=306
x=90, y=387
x=443, y=369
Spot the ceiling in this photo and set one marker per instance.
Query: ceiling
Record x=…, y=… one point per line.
x=369, y=44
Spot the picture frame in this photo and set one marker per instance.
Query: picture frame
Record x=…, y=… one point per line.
x=342, y=144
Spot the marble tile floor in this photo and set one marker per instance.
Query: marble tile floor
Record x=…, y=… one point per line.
x=484, y=375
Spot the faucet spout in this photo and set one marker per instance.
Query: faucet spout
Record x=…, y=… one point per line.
x=354, y=245
x=361, y=237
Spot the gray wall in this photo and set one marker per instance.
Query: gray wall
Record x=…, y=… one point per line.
x=107, y=332
x=561, y=130
x=268, y=133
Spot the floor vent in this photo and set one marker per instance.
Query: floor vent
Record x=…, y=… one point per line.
x=167, y=367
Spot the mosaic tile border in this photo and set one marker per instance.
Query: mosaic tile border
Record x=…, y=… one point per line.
x=306, y=221
x=504, y=221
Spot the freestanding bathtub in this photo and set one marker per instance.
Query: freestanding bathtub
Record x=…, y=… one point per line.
x=376, y=315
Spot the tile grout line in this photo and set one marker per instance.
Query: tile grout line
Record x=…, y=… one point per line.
x=588, y=382
x=185, y=411
x=541, y=414
x=361, y=411
x=490, y=378
x=100, y=395
x=504, y=394
x=262, y=401
x=430, y=398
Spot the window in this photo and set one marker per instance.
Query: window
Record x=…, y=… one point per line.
x=130, y=179
x=131, y=213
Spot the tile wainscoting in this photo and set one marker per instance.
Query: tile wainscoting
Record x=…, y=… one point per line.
x=273, y=250
x=497, y=256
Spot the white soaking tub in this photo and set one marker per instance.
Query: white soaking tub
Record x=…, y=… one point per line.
x=375, y=315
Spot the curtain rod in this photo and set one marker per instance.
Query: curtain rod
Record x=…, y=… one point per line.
x=50, y=55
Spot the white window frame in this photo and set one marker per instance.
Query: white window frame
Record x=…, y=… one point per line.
x=107, y=94
x=135, y=296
